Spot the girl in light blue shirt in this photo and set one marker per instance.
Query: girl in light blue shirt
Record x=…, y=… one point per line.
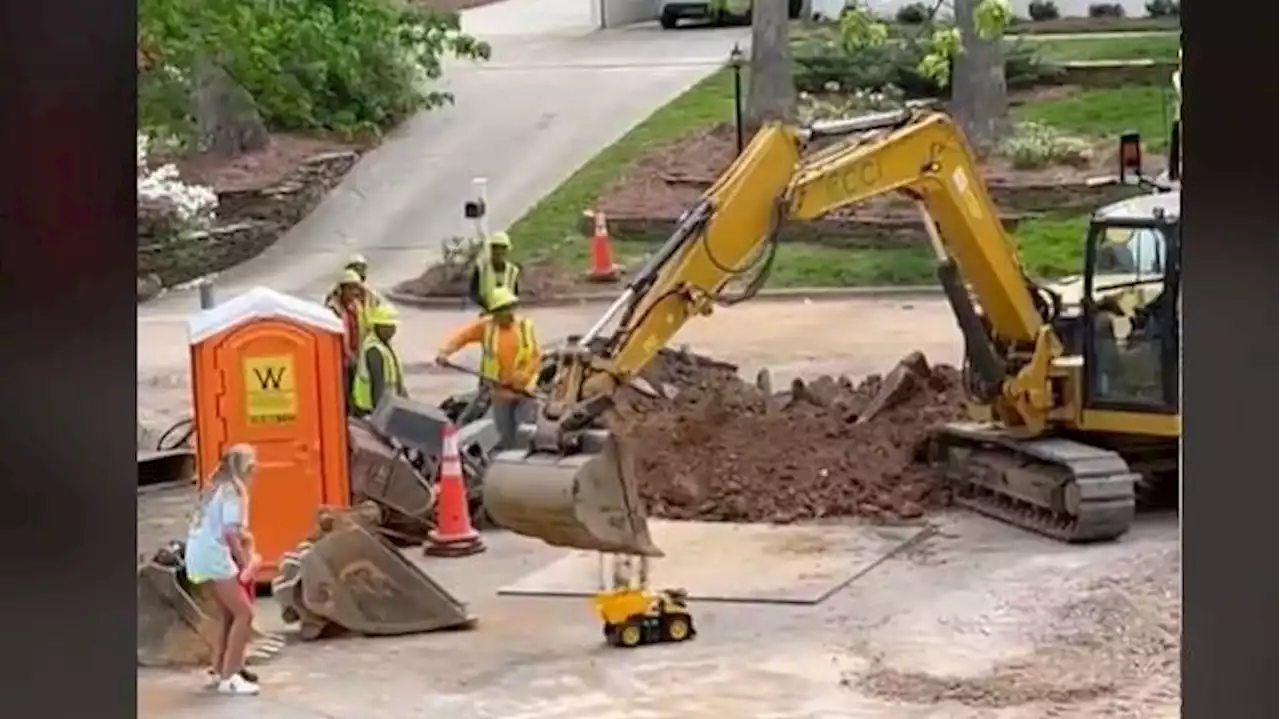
x=216, y=549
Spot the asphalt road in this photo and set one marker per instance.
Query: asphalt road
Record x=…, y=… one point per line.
x=553, y=95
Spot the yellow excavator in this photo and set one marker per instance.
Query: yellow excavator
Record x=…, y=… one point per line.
x=1081, y=409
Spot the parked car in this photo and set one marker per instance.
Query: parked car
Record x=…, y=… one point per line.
x=715, y=12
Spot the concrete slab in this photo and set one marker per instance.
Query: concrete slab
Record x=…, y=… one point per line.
x=755, y=563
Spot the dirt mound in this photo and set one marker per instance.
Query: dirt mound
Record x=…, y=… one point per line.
x=537, y=281
x=724, y=449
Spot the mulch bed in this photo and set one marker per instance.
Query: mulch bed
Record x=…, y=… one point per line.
x=672, y=177
x=256, y=170
x=538, y=281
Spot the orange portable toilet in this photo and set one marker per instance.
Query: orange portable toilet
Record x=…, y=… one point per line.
x=266, y=370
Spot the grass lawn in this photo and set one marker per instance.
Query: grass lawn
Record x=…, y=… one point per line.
x=1153, y=46
x=554, y=217
x=1049, y=247
x=1108, y=112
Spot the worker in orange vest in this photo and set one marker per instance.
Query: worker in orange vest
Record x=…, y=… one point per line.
x=509, y=360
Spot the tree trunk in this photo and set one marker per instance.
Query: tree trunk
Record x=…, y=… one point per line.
x=979, y=95
x=772, y=95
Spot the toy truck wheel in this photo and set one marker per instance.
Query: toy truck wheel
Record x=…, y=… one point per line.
x=630, y=635
x=677, y=627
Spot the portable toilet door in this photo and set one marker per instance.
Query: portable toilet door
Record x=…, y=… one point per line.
x=267, y=371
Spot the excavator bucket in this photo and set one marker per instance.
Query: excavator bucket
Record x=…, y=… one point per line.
x=382, y=475
x=583, y=501
x=349, y=580
x=176, y=619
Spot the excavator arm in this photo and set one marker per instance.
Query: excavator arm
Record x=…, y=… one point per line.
x=574, y=486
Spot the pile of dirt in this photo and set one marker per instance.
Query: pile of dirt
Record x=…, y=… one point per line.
x=723, y=449
x=538, y=281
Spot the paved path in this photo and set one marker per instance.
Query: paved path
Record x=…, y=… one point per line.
x=552, y=96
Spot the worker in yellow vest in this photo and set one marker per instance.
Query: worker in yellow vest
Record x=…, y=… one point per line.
x=351, y=303
x=378, y=370
x=494, y=269
x=509, y=360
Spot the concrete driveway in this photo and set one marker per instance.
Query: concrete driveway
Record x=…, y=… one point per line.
x=553, y=95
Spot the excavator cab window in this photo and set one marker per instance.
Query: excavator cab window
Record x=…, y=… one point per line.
x=1131, y=315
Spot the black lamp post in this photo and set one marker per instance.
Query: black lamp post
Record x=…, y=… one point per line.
x=735, y=61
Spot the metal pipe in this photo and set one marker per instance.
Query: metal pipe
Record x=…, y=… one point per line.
x=735, y=60
x=480, y=187
x=617, y=307
x=861, y=123
x=207, y=300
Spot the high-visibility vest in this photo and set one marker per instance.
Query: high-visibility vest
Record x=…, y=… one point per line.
x=525, y=348
x=371, y=300
x=362, y=318
x=392, y=379
x=490, y=280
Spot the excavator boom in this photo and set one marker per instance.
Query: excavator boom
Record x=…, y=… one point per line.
x=552, y=492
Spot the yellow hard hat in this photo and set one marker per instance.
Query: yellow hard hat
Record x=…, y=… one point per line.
x=357, y=259
x=384, y=315
x=501, y=299
x=350, y=277
x=499, y=239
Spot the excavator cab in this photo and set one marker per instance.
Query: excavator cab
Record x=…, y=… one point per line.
x=1130, y=300
x=1131, y=346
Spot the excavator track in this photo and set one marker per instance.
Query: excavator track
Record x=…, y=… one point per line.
x=1056, y=487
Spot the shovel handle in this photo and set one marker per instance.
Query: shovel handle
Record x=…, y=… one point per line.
x=490, y=381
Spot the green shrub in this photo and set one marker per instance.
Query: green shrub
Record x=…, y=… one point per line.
x=819, y=63
x=1106, y=10
x=1163, y=8
x=1041, y=10
x=346, y=66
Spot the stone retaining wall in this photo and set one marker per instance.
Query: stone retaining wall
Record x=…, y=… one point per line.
x=249, y=221
x=1116, y=73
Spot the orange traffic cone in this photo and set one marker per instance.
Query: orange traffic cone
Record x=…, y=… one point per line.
x=602, y=267
x=453, y=536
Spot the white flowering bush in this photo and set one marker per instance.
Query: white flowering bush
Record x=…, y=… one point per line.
x=167, y=206
x=1033, y=146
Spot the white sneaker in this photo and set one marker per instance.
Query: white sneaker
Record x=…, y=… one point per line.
x=238, y=685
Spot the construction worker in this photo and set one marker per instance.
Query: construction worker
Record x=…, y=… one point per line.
x=350, y=301
x=509, y=360
x=378, y=370
x=358, y=264
x=493, y=270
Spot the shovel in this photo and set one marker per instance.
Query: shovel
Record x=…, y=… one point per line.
x=490, y=381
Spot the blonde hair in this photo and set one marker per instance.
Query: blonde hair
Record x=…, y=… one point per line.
x=234, y=468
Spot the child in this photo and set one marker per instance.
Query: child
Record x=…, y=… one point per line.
x=216, y=554
x=247, y=568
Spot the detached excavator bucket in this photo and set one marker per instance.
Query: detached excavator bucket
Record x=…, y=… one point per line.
x=348, y=579
x=582, y=501
x=175, y=618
